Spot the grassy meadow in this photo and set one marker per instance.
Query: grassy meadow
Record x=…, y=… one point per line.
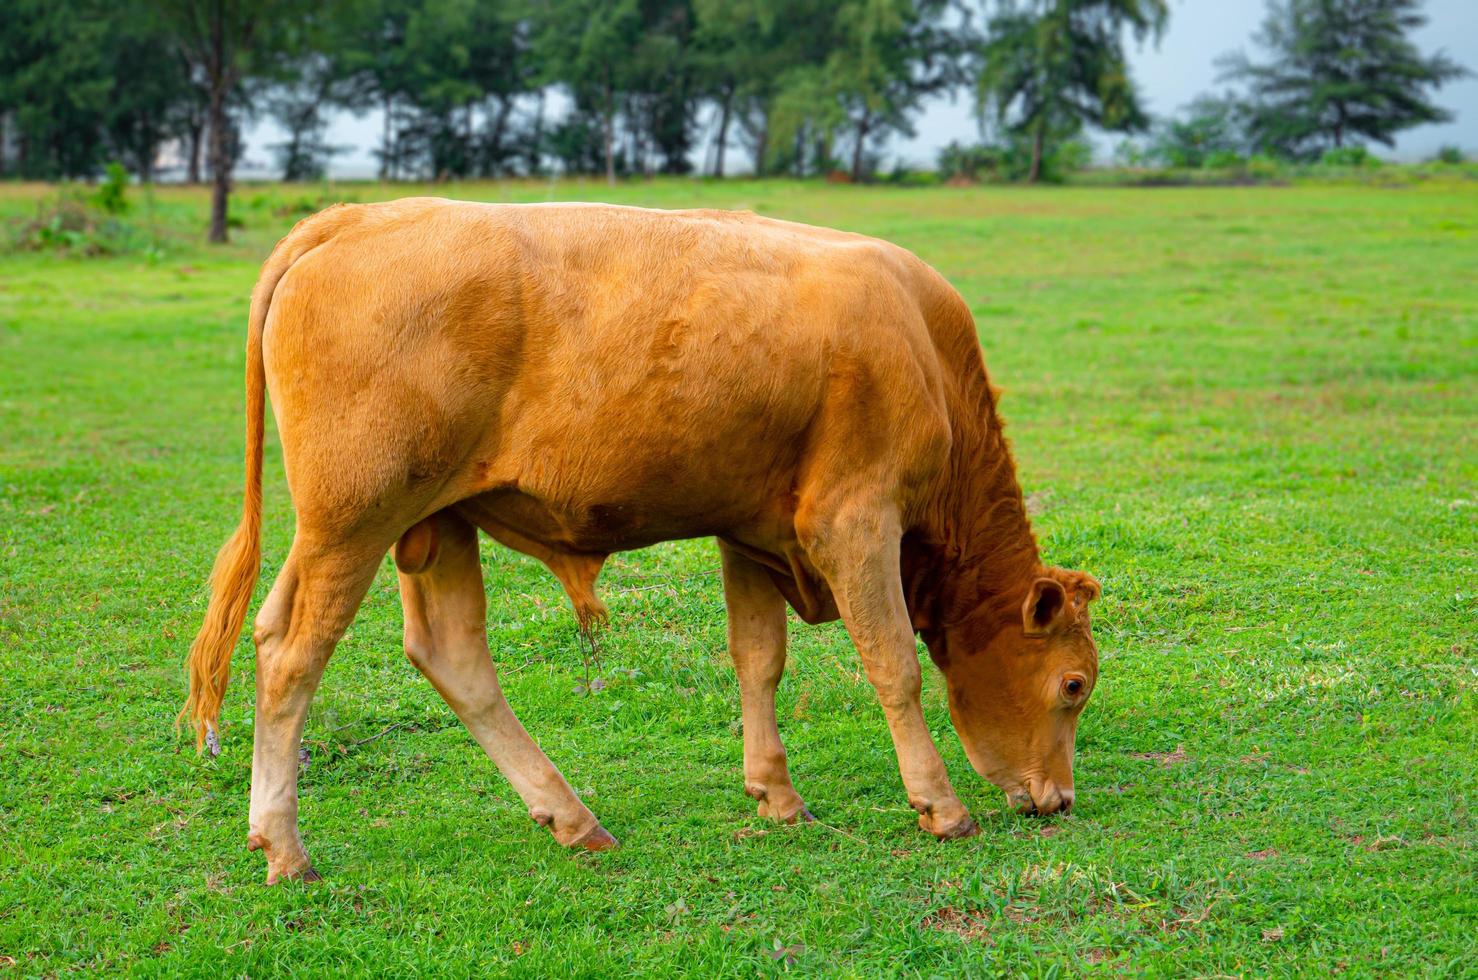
x=1251, y=412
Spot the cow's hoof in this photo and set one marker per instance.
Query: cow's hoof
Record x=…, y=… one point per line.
x=961, y=826
x=782, y=807
x=792, y=814
x=304, y=875
x=283, y=864
x=597, y=838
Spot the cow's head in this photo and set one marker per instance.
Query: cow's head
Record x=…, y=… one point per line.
x=1016, y=688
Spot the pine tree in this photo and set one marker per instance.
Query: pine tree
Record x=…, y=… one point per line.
x=1338, y=70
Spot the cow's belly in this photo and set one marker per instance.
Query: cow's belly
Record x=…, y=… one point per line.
x=603, y=453
x=605, y=498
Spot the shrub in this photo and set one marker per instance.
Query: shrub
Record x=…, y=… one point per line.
x=1348, y=156
x=1224, y=160
x=1210, y=127
x=80, y=224
x=1068, y=157
x=1264, y=167
x=959, y=162
x=112, y=192
x=1449, y=154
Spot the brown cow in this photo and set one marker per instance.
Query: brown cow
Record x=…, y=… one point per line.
x=580, y=379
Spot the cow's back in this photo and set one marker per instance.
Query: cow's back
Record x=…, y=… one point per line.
x=606, y=376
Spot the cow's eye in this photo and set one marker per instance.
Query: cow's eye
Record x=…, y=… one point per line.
x=1073, y=687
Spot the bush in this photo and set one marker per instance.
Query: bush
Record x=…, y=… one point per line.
x=1068, y=157
x=1348, y=156
x=1211, y=127
x=1224, y=160
x=1449, y=154
x=1263, y=167
x=961, y=163
x=79, y=224
x=112, y=193
x=903, y=175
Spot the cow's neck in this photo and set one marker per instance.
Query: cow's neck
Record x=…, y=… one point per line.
x=973, y=552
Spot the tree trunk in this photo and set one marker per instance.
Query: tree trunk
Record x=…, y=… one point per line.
x=219, y=75
x=146, y=159
x=536, y=141
x=196, y=130
x=1038, y=138
x=220, y=165
x=495, y=136
x=762, y=144
x=608, y=125
x=723, y=131
x=3, y=119
x=386, y=151
x=862, y=127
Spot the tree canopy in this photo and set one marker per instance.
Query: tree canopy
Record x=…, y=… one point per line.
x=463, y=88
x=1338, y=70
x=1046, y=68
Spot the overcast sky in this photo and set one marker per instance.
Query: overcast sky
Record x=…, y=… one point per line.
x=1181, y=67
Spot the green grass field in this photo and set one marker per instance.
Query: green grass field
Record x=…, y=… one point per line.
x=1251, y=412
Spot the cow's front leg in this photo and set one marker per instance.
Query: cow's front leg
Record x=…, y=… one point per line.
x=858, y=555
x=757, y=646
x=446, y=638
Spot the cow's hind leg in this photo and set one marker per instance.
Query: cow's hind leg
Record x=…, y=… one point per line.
x=310, y=605
x=446, y=638
x=757, y=646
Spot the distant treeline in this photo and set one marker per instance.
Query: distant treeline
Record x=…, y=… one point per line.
x=796, y=86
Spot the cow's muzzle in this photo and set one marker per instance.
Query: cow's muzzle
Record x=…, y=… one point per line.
x=1041, y=798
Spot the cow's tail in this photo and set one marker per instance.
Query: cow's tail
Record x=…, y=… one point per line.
x=239, y=562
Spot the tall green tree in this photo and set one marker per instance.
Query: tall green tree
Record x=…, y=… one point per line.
x=1048, y=67
x=876, y=61
x=225, y=42
x=300, y=102
x=747, y=53
x=55, y=83
x=152, y=92
x=589, y=47
x=1338, y=70
x=890, y=55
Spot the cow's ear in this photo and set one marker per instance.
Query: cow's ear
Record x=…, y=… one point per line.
x=1045, y=607
x=1088, y=587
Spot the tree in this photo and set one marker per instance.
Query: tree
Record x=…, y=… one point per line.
x=151, y=95
x=225, y=42
x=55, y=85
x=297, y=102
x=1047, y=67
x=589, y=46
x=862, y=72
x=891, y=54
x=747, y=53
x=1338, y=69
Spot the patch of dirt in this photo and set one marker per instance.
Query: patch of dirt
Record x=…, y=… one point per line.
x=1262, y=855
x=1166, y=759
x=966, y=925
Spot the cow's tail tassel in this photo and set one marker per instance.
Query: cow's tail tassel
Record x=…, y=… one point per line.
x=234, y=577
